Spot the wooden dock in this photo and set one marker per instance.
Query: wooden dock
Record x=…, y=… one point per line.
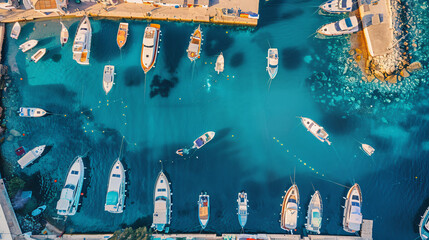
x=9, y=226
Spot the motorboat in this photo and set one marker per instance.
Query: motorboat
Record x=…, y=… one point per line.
x=367, y=149
x=82, y=42
x=289, y=214
x=70, y=194
x=194, y=47
x=38, y=55
x=204, y=209
x=352, y=218
x=108, y=78
x=31, y=112
x=315, y=129
x=64, y=36
x=242, y=208
x=337, y=6
x=7, y=5
x=38, y=211
x=341, y=27
x=16, y=30
x=203, y=139
x=424, y=225
x=30, y=156
x=150, y=46
x=273, y=62
x=314, y=213
x=121, y=37
x=220, y=63
x=28, y=45
x=115, y=197
x=162, y=203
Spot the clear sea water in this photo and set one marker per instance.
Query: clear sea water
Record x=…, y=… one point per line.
x=260, y=145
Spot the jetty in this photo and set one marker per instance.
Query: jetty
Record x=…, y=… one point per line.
x=9, y=227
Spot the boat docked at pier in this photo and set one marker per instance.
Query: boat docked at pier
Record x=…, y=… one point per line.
x=108, y=78
x=16, y=30
x=242, y=208
x=64, y=35
x=121, y=37
x=367, y=149
x=314, y=213
x=115, y=198
x=273, y=62
x=38, y=55
x=315, y=129
x=30, y=156
x=82, y=42
x=289, y=214
x=31, y=112
x=28, y=45
x=352, y=218
x=194, y=47
x=337, y=6
x=203, y=139
x=70, y=194
x=341, y=27
x=220, y=63
x=150, y=46
x=424, y=225
x=204, y=209
x=162, y=203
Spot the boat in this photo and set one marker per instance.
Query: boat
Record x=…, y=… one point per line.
x=70, y=194
x=162, y=203
x=220, y=63
x=367, y=149
x=28, y=45
x=315, y=129
x=31, y=112
x=194, y=47
x=16, y=30
x=30, y=156
x=204, y=209
x=38, y=210
x=38, y=55
x=8, y=5
x=424, y=225
x=150, y=46
x=121, y=37
x=82, y=42
x=64, y=36
x=242, y=208
x=337, y=6
x=341, y=27
x=203, y=139
x=314, y=213
x=272, y=62
x=289, y=214
x=352, y=218
x=108, y=78
x=115, y=197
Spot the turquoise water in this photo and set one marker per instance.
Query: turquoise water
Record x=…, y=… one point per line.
x=259, y=142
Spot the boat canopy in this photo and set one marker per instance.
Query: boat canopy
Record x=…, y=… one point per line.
x=112, y=198
x=345, y=3
x=316, y=220
x=193, y=47
x=63, y=205
x=199, y=142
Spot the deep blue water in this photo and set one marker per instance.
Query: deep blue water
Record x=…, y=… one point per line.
x=259, y=141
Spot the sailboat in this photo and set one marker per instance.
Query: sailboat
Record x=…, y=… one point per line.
x=367, y=149
x=204, y=209
x=70, y=194
x=242, y=208
x=82, y=42
x=341, y=27
x=289, y=214
x=315, y=129
x=352, y=218
x=31, y=112
x=314, y=214
x=337, y=6
x=273, y=62
x=28, y=45
x=194, y=47
x=115, y=198
x=203, y=139
x=424, y=225
x=108, y=78
x=121, y=37
x=16, y=30
x=162, y=203
x=150, y=46
x=64, y=36
x=220, y=63
x=30, y=156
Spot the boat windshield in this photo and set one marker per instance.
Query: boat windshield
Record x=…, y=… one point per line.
x=337, y=26
x=348, y=22
x=160, y=198
x=356, y=204
x=70, y=186
x=199, y=142
x=292, y=200
x=355, y=197
x=116, y=175
x=74, y=172
x=161, y=190
x=273, y=66
x=147, y=46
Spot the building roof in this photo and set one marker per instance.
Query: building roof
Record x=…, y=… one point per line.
x=44, y=4
x=180, y=2
x=201, y=2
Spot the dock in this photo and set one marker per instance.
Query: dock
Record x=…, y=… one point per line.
x=9, y=227
x=2, y=34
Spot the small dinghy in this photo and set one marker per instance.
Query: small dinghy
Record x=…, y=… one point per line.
x=220, y=63
x=38, y=210
x=16, y=30
x=315, y=129
x=367, y=149
x=38, y=55
x=203, y=139
x=64, y=35
x=28, y=45
x=108, y=78
x=31, y=112
x=32, y=155
x=121, y=37
x=342, y=27
x=273, y=62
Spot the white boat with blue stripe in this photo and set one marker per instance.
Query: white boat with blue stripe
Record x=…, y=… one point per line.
x=242, y=208
x=162, y=203
x=315, y=129
x=344, y=26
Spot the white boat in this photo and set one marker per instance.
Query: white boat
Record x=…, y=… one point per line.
x=289, y=214
x=315, y=129
x=38, y=55
x=31, y=112
x=337, y=6
x=314, y=213
x=30, y=156
x=424, y=225
x=82, y=42
x=273, y=62
x=150, y=46
x=115, y=198
x=194, y=47
x=220, y=63
x=16, y=30
x=162, y=203
x=341, y=27
x=242, y=208
x=38, y=210
x=121, y=37
x=203, y=139
x=352, y=218
x=70, y=194
x=28, y=45
x=367, y=149
x=204, y=209
x=64, y=36
x=108, y=78
x=7, y=5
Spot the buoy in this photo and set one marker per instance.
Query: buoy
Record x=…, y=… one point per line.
x=23, y=134
x=55, y=180
x=81, y=194
x=21, y=79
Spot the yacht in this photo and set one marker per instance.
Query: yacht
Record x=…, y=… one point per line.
x=220, y=63
x=341, y=27
x=337, y=6
x=31, y=112
x=38, y=55
x=70, y=194
x=318, y=131
x=64, y=36
x=367, y=149
x=121, y=37
x=273, y=62
x=194, y=47
x=82, y=42
x=28, y=45
x=150, y=46
x=352, y=218
x=204, y=209
x=314, y=214
x=203, y=139
x=289, y=214
x=242, y=208
x=30, y=156
x=108, y=78
x=424, y=225
x=16, y=30
x=115, y=197
x=162, y=203
x=8, y=5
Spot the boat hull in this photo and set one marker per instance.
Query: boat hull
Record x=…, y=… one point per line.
x=28, y=45
x=272, y=62
x=194, y=47
x=31, y=112
x=121, y=37
x=115, y=197
x=162, y=203
x=16, y=30
x=289, y=216
x=82, y=42
x=220, y=63
x=314, y=223
x=423, y=230
x=204, y=210
x=242, y=208
x=315, y=128
x=31, y=156
x=64, y=36
x=108, y=78
x=38, y=55
x=205, y=138
x=354, y=190
x=150, y=53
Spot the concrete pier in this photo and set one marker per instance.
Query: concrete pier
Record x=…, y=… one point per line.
x=9, y=227
x=2, y=34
